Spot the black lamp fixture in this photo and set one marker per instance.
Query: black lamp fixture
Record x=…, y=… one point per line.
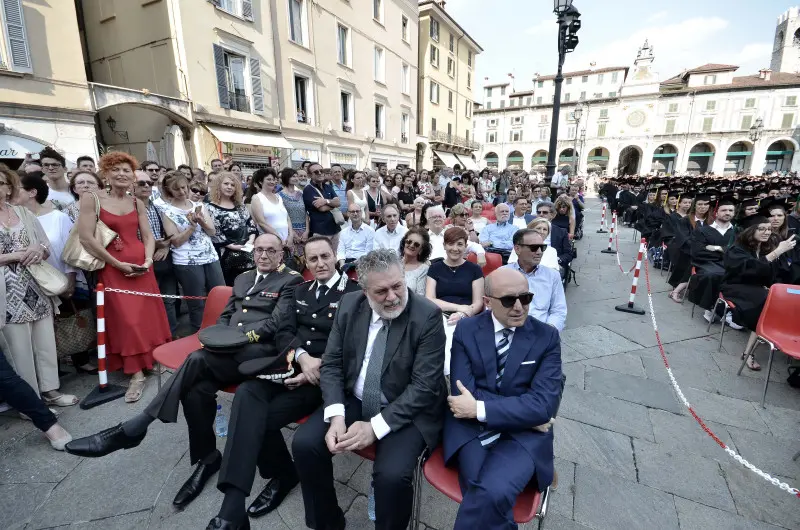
x=112, y=124
x=569, y=22
x=756, y=130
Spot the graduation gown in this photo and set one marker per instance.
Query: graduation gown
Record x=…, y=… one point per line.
x=650, y=223
x=708, y=264
x=678, y=251
x=746, y=282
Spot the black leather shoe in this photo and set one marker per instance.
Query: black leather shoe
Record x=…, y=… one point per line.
x=192, y=487
x=271, y=496
x=218, y=523
x=103, y=443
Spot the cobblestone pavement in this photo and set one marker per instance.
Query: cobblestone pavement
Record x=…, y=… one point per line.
x=627, y=454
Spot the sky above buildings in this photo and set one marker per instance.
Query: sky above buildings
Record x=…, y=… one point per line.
x=519, y=36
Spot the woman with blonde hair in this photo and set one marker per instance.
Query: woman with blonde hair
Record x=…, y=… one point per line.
x=565, y=216
x=27, y=325
x=234, y=226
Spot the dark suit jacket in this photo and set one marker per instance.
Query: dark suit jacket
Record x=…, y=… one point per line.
x=312, y=320
x=529, y=395
x=559, y=240
x=263, y=309
x=413, y=366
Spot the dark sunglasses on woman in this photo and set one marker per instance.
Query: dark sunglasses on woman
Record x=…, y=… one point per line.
x=413, y=244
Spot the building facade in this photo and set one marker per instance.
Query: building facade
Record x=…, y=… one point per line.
x=447, y=62
x=347, y=80
x=707, y=119
x=44, y=94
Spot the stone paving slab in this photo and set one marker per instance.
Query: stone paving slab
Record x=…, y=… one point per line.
x=683, y=474
x=757, y=499
x=597, y=341
x=687, y=376
x=605, y=501
x=726, y=410
x=575, y=373
x=779, y=394
x=624, y=363
x=562, y=498
x=682, y=434
x=583, y=444
x=672, y=327
x=696, y=516
x=647, y=392
x=19, y=502
x=783, y=423
x=769, y=452
x=606, y=412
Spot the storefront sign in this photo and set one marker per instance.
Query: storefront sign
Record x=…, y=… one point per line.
x=251, y=150
x=17, y=147
x=345, y=159
x=303, y=155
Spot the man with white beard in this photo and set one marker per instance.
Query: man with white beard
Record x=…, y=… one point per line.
x=382, y=382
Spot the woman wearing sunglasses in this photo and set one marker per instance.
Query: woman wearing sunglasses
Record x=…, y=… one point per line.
x=197, y=191
x=415, y=248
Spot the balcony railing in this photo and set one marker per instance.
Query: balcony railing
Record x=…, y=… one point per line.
x=451, y=139
x=239, y=101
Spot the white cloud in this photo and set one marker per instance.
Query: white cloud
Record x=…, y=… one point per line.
x=755, y=53
x=547, y=25
x=657, y=16
x=675, y=46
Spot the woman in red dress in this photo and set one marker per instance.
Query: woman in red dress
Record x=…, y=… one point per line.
x=135, y=324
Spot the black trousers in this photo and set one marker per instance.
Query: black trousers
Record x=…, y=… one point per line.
x=195, y=386
x=392, y=474
x=19, y=394
x=260, y=410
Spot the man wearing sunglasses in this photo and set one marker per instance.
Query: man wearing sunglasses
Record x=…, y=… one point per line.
x=320, y=199
x=505, y=382
x=549, y=303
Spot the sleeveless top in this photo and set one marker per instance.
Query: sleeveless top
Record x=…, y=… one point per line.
x=275, y=214
x=362, y=203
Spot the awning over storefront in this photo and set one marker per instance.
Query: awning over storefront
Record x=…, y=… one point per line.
x=448, y=159
x=248, y=137
x=468, y=163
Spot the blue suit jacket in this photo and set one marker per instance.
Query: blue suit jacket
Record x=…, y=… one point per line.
x=530, y=393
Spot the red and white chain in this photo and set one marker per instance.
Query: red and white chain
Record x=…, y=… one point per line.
x=766, y=476
x=154, y=295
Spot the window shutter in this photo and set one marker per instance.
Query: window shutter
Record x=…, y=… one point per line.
x=217, y=3
x=222, y=77
x=247, y=9
x=19, y=52
x=255, y=81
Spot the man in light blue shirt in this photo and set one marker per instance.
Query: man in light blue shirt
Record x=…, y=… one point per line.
x=549, y=304
x=497, y=237
x=339, y=186
x=355, y=240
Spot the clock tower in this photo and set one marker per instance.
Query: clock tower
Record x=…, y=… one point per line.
x=786, y=47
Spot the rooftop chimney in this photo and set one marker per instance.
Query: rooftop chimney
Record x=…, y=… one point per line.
x=767, y=74
x=441, y=3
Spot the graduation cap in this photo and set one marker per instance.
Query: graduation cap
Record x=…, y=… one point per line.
x=753, y=220
x=674, y=193
x=768, y=205
x=702, y=197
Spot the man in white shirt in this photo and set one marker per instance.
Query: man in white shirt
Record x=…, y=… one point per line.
x=390, y=235
x=53, y=167
x=436, y=229
x=355, y=240
x=382, y=383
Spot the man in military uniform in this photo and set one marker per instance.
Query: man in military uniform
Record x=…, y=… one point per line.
x=259, y=307
x=262, y=407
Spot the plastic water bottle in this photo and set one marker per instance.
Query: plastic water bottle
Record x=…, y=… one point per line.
x=371, y=503
x=221, y=423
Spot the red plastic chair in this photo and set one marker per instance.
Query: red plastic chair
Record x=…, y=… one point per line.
x=531, y=503
x=727, y=305
x=490, y=216
x=493, y=261
x=777, y=326
x=172, y=354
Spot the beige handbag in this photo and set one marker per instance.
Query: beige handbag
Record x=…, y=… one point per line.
x=75, y=255
x=51, y=280
x=338, y=216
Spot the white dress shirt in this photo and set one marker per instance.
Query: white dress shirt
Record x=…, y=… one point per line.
x=330, y=284
x=379, y=425
x=498, y=328
x=355, y=243
x=437, y=244
x=386, y=239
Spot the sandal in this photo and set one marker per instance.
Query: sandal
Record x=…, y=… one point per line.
x=135, y=390
x=675, y=297
x=61, y=400
x=752, y=364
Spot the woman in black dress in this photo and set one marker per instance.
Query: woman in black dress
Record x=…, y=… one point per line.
x=751, y=267
x=679, y=248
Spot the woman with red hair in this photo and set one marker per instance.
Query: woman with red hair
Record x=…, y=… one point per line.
x=135, y=324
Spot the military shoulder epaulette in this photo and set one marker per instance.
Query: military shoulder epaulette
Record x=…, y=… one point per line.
x=342, y=283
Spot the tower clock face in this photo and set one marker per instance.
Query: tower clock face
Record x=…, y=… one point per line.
x=636, y=118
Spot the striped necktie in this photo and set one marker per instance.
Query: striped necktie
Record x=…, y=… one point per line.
x=489, y=438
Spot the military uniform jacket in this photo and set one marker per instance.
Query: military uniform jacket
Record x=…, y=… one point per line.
x=261, y=310
x=314, y=318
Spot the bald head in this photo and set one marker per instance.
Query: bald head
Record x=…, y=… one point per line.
x=503, y=287
x=500, y=280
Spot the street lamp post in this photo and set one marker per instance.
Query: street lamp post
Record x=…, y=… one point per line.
x=577, y=114
x=756, y=130
x=568, y=25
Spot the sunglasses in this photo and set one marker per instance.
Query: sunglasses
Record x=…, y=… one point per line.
x=144, y=183
x=413, y=244
x=196, y=190
x=534, y=247
x=543, y=212
x=509, y=301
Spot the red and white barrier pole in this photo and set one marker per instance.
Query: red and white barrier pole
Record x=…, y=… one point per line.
x=103, y=392
x=610, y=250
x=630, y=307
x=603, y=220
